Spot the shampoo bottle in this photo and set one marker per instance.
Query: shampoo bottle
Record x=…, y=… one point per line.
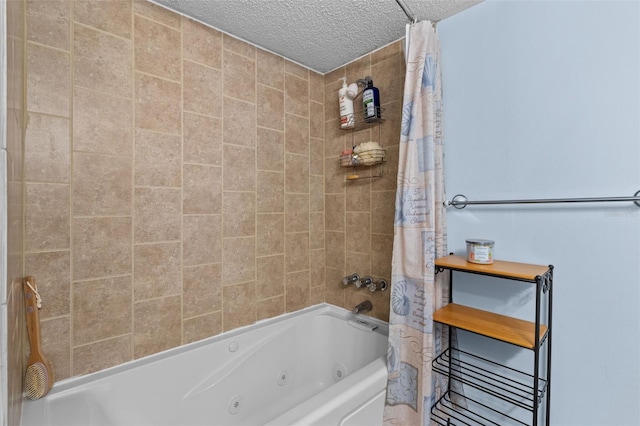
x=346, y=106
x=371, y=101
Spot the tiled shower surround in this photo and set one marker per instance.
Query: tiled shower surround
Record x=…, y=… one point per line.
x=180, y=183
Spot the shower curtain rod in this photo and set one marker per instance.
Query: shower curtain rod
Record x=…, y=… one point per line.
x=460, y=201
x=405, y=9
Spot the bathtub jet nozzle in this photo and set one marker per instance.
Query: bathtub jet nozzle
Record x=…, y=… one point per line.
x=363, y=307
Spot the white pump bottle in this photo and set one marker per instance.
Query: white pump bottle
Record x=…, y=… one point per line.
x=346, y=94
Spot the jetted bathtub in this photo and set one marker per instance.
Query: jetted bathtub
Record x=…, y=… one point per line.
x=322, y=365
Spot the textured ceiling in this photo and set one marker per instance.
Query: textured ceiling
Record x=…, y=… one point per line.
x=320, y=34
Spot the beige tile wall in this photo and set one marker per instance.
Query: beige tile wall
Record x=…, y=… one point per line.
x=14, y=307
x=360, y=213
x=168, y=181
x=175, y=182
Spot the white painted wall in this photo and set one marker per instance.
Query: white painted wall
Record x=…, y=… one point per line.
x=542, y=100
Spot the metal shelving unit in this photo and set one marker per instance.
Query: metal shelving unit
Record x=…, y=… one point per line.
x=509, y=396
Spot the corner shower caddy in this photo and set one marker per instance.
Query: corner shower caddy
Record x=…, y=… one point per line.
x=373, y=159
x=507, y=393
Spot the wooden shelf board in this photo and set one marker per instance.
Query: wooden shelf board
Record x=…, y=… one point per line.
x=499, y=268
x=507, y=329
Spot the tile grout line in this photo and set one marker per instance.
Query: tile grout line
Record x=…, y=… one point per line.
x=132, y=76
x=182, y=164
x=72, y=360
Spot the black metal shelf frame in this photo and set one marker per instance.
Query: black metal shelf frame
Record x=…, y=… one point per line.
x=521, y=389
x=509, y=384
x=445, y=412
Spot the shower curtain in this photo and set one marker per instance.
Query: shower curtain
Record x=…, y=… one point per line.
x=420, y=237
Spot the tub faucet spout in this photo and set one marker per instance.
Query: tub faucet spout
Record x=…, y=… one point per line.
x=363, y=307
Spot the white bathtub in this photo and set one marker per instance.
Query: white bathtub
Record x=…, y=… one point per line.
x=317, y=366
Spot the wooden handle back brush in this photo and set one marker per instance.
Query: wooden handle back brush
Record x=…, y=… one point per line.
x=39, y=376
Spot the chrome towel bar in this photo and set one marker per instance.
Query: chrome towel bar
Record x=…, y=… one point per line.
x=460, y=201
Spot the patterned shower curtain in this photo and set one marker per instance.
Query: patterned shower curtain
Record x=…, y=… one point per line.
x=420, y=237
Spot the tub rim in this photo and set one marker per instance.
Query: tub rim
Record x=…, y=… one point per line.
x=319, y=309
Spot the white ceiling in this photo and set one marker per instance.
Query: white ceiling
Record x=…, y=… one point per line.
x=320, y=34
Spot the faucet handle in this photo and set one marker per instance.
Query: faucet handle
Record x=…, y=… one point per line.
x=352, y=279
x=381, y=285
x=365, y=282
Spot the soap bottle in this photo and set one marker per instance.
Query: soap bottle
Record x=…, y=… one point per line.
x=371, y=101
x=346, y=106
